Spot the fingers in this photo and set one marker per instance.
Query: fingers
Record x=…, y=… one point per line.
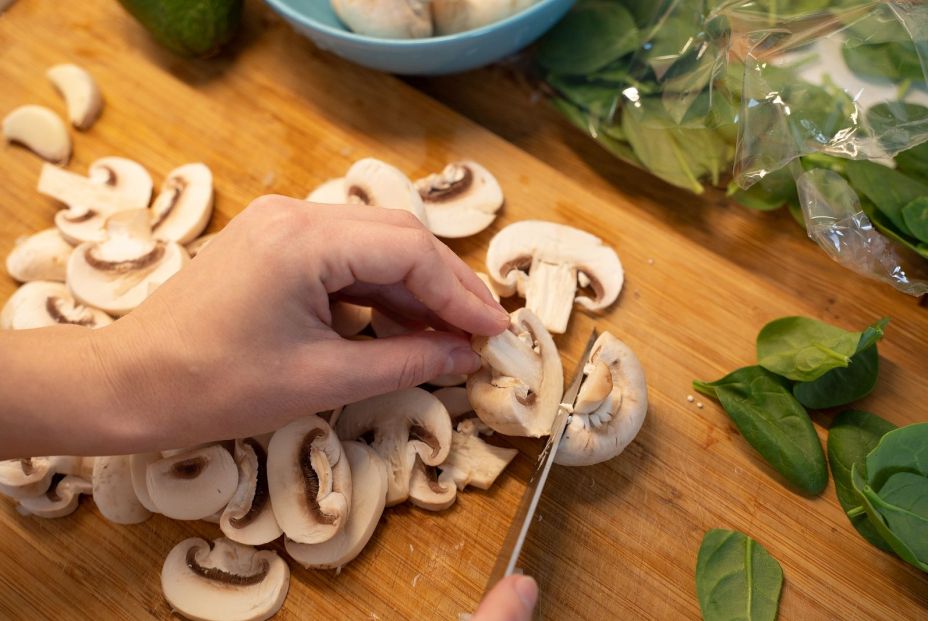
x=512, y=599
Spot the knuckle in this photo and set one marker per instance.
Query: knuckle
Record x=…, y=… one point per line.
x=415, y=370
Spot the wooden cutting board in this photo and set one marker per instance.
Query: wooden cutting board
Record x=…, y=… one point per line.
x=617, y=540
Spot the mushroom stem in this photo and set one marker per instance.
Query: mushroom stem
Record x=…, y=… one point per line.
x=511, y=356
x=70, y=188
x=550, y=293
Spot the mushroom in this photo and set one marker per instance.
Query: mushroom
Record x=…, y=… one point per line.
x=426, y=488
x=224, y=581
x=452, y=16
x=113, y=493
x=40, y=304
x=138, y=471
x=309, y=480
x=196, y=246
x=610, y=407
x=545, y=263
x=405, y=424
x=40, y=130
x=117, y=275
x=386, y=19
x=461, y=200
x=184, y=205
x=31, y=476
x=41, y=256
x=372, y=182
x=455, y=400
x=368, y=498
x=331, y=192
x=249, y=517
x=60, y=500
x=349, y=319
x=193, y=484
x=80, y=91
x=518, y=388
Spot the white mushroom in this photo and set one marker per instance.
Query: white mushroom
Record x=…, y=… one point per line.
x=40, y=304
x=610, y=407
x=386, y=19
x=405, y=424
x=41, y=256
x=40, y=130
x=224, y=581
x=61, y=499
x=349, y=319
x=138, y=471
x=455, y=400
x=331, y=192
x=117, y=275
x=518, y=389
x=451, y=16
x=368, y=497
x=196, y=246
x=372, y=182
x=545, y=262
x=193, y=484
x=249, y=517
x=461, y=200
x=113, y=493
x=31, y=476
x=309, y=480
x=185, y=204
x=80, y=91
x=427, y=490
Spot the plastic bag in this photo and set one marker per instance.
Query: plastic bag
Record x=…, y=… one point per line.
x=815, y=105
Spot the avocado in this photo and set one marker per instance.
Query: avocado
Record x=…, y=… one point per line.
x=194, y=28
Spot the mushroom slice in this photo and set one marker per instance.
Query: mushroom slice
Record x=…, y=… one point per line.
x=40, y=130
x=31, y=476
x=185, y=204
x=427, y=490
x=249, y=517
x=461, y=200
x=610, y=407
x=545, y=263
x=455, y=400
x=309, y=480
x=80, y=91
x=368, y=497
x=113, y=493
x=196, y=246
x=40, y=304
x=473, y=461
x=405, y=423
x=224, y=581
x=331, y=192
x=349, y=319
x=452, y=16
x=118, y=274
x=372, y=182
x=193, y=484
x=60, y=500
x=386, y=19
x=41, y=256
x=518, y=389
x=138, y=471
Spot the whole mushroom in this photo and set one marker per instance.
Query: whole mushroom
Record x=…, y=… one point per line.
x=387, y=19
x=453, y=16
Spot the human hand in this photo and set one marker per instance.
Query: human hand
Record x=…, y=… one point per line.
x=512, y=599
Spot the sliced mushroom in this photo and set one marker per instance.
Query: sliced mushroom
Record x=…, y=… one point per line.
x=455, y=400
x=61, y=499
x=117, y=275
x=372, y=182
x=545, y=262
x=193, y=484
x=31, y=476
x=518, y=389
x=309, y=479
x=331, y=192
x=113, y=493
x=427, y=490
x=610, y=407
x=249, y=517
x=197, y=245
x=405, y=423
x=452, y=16
x=41, y=256
x=349, y=319
x=461, y=200
x=138, y=471
x=368, y=497
x=40, y=130
x=224, y=581
x=473, y=461
x=40, y=304
x=185, y=204
x=80, y=91
x=386, y=19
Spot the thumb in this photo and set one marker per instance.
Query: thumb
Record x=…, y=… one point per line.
x=512, y=599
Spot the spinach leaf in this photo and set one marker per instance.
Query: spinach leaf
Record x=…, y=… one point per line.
x=897, y=123
x=914, y=162
x=804, y=349
x=774, y=423
x=593, y=34
x=852, y=435
x=771, y=192
x=884, y=226
x=598, y=99
x=896, y=61
x=888, y=189
x=736, y=578
x=915, y=215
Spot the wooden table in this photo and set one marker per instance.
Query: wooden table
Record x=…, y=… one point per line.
x=617, y=540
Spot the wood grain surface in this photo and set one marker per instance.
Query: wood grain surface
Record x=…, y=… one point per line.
x=618, y=540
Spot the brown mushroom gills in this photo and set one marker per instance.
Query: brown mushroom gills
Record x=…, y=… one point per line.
x=218, y=575
x=130, y=265
x=311, y=478
x=417, y=432
x=53, y=306
x=176, y=186
x=440, y=194
x=261, y=496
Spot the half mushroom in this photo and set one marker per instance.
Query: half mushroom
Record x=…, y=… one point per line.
x=42, y=304
x=40, y=130
x=249, y=516
x=40, y=256
x=182, y=209
x=32, y=476
x=461, y=200
x=60, y=500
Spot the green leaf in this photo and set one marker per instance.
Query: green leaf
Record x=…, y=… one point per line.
x=774, y=423
x=888, y=189
x=851, y=437
x=736, y=578
x=593, y=34
x=915, y=215
x=772, y=192
x=903, y=503
x=914, y=162
x=598, y=99
x=897, y=124
x=804, y=349
x=896, y=61
x=884, y=226
x=903, y=450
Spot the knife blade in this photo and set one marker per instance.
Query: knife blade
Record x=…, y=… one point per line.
x=522, y=521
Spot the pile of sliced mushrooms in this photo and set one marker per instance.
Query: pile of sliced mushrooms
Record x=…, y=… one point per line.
x=323, y=481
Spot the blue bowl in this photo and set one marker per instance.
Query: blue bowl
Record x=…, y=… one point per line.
x=432, y=56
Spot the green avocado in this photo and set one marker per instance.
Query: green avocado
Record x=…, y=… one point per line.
x=195, y=28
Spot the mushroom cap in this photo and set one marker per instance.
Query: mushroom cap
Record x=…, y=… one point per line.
x=113, y=493
x=461, y=200
x=427, y=490
x=120, y=273
x=138, y=471
x=372, y=182
x=40, y=130
x=80, y=91
x=40, y=256
x=386, y=19
x=40, y=304
x=25, y=478
x=452, y=16
x=183, y=207
x=249, y=516
x=331, y=192
x=606, y=430
x=193, y=484
x=526, y=403
x=224, y=581
x=309, y=479
x=60, y=500
x=349, y=319
x=405, y=423
x=368, y=498
x=196, y=246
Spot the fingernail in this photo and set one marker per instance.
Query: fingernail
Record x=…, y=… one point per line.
x=527, y=589
x=462, y=360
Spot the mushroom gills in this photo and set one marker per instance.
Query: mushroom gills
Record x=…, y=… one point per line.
x=183, y=208
x=31, y=477
x=40, y=304
x=60, y=500
x=249, y=517
x=372, y=182
x=460, y=201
